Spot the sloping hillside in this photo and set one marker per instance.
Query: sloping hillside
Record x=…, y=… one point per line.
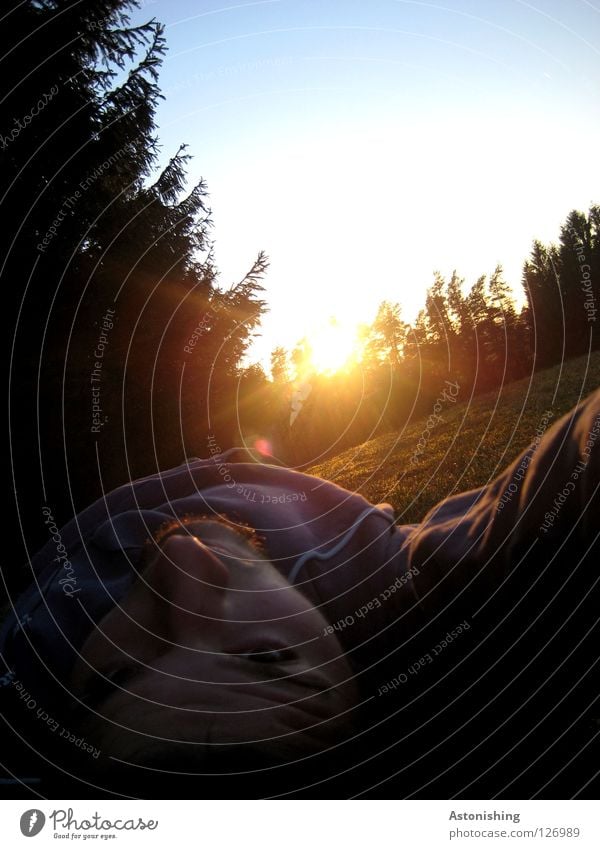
x=463, y=443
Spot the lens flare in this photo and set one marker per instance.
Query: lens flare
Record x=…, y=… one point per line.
x=263, y=446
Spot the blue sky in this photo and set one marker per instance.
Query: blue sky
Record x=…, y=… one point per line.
x=363, y=145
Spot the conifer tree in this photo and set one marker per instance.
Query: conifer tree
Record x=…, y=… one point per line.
x=95, y=225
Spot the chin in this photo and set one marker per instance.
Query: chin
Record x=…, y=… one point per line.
x=255, y=748
x=142, y=767
x=278, y=735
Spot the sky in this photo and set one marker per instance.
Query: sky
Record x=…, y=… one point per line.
x=364, y=144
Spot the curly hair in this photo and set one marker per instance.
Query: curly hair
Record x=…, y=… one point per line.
x=190, y=524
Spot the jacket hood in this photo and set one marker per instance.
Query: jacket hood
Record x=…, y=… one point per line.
x=335, y=546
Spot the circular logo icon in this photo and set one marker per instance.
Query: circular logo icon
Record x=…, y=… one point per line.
x=32, y=822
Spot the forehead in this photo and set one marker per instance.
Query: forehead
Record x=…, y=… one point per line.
x=217, y=528
x=235, y=545
x=217, y=534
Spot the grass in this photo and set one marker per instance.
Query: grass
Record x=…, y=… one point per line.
x=475, y=441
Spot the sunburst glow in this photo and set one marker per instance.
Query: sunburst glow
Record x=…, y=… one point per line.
x=331, y=346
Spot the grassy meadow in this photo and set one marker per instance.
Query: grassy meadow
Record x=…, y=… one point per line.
x=470, y=442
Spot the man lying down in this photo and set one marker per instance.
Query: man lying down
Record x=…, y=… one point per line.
x=232, y=627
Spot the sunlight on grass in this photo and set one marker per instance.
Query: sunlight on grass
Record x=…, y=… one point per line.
x=470, y=447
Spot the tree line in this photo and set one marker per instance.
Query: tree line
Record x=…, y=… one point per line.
x=475, y=337
x=127, y=353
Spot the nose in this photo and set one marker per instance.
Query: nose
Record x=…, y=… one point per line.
x=191, y=579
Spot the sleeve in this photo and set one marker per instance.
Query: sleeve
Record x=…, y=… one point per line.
x=540, y=514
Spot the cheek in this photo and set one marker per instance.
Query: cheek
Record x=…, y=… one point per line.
x=125, y=629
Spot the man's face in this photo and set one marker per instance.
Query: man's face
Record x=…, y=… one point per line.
x=211, y=645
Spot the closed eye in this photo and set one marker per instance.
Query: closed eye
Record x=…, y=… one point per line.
x=281, y=656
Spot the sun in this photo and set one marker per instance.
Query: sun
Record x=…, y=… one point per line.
x=331, y=346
